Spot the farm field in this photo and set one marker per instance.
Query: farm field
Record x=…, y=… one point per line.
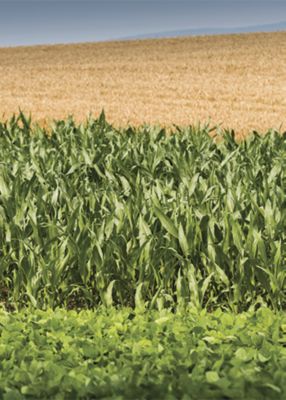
x=156, y=355
x=137, y=263
x=238, y=81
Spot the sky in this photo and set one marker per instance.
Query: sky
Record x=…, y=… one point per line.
x=25, y=22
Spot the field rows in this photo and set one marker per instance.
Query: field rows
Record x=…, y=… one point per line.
x=92, y=215
x=136, y=263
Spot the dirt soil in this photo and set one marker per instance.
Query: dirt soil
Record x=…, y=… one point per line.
x=238, y=81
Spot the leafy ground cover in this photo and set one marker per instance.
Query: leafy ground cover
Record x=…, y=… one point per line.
x=90, y=215
x=120, y=354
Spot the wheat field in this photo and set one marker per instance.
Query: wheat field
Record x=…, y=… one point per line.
x=236, y=81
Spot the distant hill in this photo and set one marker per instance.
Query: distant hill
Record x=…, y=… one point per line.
x=281, y=26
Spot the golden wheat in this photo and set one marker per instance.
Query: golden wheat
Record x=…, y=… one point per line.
x=238, y=81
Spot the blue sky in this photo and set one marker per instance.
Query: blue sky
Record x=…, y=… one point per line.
x=25, y=22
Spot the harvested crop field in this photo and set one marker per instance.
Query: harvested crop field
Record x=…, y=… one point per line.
x=238, y=81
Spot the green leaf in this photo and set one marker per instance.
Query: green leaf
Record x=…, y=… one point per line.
x=193, y=184
x=212, y=376
x=108, y=294
x=241, y=354
x=166, y=222
x=183, y=241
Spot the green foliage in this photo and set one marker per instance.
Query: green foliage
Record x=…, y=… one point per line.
x=92, y=215
x=123, y=354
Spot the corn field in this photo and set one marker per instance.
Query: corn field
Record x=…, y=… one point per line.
x=91, y=215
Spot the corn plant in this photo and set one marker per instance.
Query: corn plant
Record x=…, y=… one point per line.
x=90, y=215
